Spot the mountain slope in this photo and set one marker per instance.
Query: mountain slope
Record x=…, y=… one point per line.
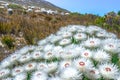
x=40, y=3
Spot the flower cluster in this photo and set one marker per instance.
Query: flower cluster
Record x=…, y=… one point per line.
x=75, y=52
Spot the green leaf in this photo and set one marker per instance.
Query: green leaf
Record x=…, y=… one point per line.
x=115, y=58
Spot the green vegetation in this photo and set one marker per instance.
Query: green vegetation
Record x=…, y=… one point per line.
x=110, y=21
x=15, y=6
x=8, y=41
x=37, y=26
x=119, y=13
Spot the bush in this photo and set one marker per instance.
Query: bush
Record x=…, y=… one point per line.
x=8, y=41
x=119, y=13
x=75, y=13
x=15, y=6
x=5, y=27
x=29, y=35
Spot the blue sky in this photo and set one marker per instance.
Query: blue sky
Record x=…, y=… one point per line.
x=99, y=7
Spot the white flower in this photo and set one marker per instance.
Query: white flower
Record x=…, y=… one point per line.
x=39, y=48
x=57, y=58
x=14, y=57
x=22, y=76
x=101, y=56
x=39, y=75
x=30, y=66
x=80, y=36
x=42, y=66
x=37, y=55
x=61, y=31
x=111, y=47
x=49, y=55
x=71, y=46
x=118, y=77
x=75, y=26
x=111, y=35
x=55, y=78
x=101, y=34
x=78, y=50
x=23, y=50
x=5, y=63
x=60, y=52
x=96, y=28
x=86, y=54
x=55, y=39
x=72, y=28
x=52, y=67
x=50, y=37
x=66, y=34
x=83, y=64
x=7, y=78
x=108, y=71
x=74, y=49
x=25, y=58
x=31, y=47
x=70, y=73
x=68, y=54
x=93, y=74
x=17, y=71
x=74, y=52
x=81, y=29
x=42, y=42
x=92, y=29
x=65, y=64
x=92, y=42
x=111, y=40
x=65, y=42
x=48, y=47
x=57, y=50
x=4, y=73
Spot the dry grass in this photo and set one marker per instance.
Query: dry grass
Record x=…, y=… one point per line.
x=37, y=26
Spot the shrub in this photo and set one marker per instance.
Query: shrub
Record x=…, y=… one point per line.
x=5, y=28
x=8, y=41
x=15, y=6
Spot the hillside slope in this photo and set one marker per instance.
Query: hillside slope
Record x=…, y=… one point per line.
x=39, y=3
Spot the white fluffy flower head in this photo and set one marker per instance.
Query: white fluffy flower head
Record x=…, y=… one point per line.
x=83, y=64
x=93, y=74
x=70, y=73
x=17, y=71
x=30, y=66
x=37, y=55
x=4, y=73
x=80, y=36
x=49, y=55
x=39, y=75
x=86, y=54
x=22, y=76
x=65, y=42
x=51, y=67
x=25, y=58
x=42, y=66
x=108, y=71
x=101, y=56
x=65, y=64
x=92, y=42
